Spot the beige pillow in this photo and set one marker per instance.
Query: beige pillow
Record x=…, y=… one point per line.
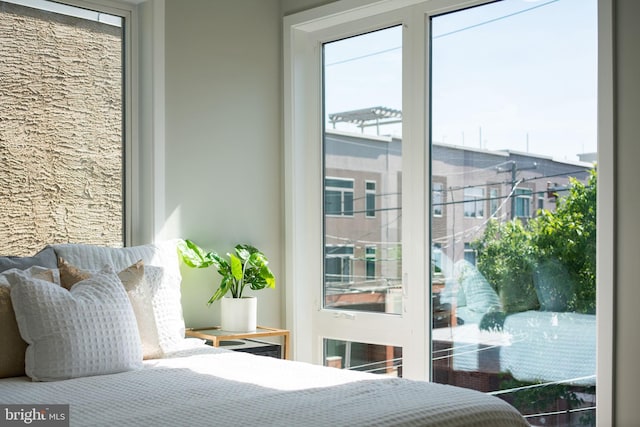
x=139, y=293
x=13, y=346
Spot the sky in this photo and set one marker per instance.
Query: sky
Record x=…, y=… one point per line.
x=515, y=74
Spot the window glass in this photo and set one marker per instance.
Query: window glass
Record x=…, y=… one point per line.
x=61, y=127
x=514, y=108
x=358, y=356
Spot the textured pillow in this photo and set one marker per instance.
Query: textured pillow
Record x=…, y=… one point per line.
x=478, y=293
x=13, y=346
x=90, y=330
x=161, y=270
x=44, y=258
x=139, y=293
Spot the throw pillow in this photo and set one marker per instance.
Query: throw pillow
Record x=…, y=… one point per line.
x=13, y=346
x=89, y=330
x=139, y=293
x=45, y=258
x=162, y=272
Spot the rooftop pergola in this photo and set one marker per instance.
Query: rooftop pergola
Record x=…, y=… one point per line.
x=367, y=117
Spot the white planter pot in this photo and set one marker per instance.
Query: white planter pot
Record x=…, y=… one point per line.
x=239, y=314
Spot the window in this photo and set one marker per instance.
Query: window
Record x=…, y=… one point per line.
x=436, y=259
x=338, y=197
x=475, y=166
x=62, y=126
x=523, y=198
x=494, y=201
x=370, y=260
x=541, y=196
x=339, y=264
x=437, y=198
x=370, y=199
x=474, y=202
x=469, y=254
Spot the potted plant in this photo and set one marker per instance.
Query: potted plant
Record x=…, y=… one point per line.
x=246, y=267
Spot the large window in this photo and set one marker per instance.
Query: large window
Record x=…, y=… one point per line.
x=62, y=126
x=497, y=112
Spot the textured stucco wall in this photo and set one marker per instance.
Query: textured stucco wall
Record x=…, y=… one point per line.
x=60, y=130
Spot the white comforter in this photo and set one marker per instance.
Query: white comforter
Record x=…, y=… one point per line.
x=205, y=386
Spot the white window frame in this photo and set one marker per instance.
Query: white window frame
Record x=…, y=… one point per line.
x=303, y=222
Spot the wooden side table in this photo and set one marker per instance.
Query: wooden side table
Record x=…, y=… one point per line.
x=216, y=335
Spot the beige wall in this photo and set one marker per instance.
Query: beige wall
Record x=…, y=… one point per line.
x=224, y=160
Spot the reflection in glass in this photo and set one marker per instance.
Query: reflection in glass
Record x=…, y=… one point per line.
x=513, y=242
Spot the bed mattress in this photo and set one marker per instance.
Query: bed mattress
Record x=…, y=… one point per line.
x=210, y=386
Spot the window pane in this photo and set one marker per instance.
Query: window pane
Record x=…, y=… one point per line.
x=357, y=356
x=513, y=112
x=61, y=127
x=362, y=142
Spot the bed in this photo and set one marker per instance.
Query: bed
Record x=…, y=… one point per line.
x=109, y=375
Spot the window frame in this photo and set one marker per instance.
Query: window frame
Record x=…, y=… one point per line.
x=523, y=200
x=301, y=93
x=475, y=200
x=342, y=191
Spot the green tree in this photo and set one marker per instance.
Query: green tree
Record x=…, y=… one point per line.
x=549, y=261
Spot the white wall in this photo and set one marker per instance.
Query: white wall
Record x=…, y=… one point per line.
x=224, y=141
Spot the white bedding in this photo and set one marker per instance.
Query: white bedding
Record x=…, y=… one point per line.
x=209, y=386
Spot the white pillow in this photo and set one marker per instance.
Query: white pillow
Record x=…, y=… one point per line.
x=90, y=330
x=161, y=270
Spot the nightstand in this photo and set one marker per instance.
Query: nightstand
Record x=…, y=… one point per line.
x=217, y=336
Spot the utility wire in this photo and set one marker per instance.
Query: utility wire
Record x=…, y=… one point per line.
x=479, y=24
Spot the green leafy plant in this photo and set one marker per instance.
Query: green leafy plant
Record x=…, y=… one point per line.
x=247, y=266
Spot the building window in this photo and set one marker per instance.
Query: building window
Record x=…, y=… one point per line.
x=370, y=199
x=474, y=202
x=338, y=264
x=494, y=201
x=523, y=202
x=436, y=258
x=541, y=196
x=370, y=262
x=469, y=254
x=437, y=198
x=62, y=127
x=338, y=196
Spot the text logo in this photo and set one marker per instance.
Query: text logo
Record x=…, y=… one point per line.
x=34, y=415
